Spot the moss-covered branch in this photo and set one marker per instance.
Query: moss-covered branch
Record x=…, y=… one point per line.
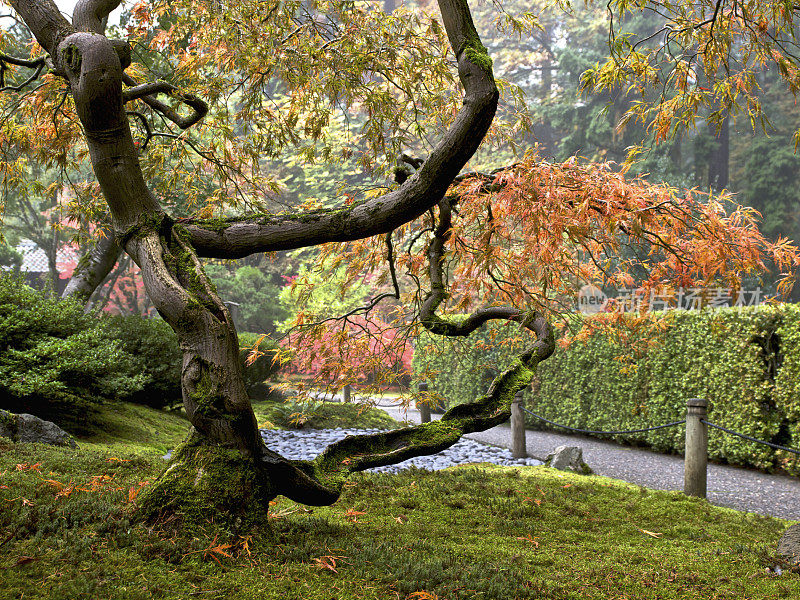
x=236, y=238
x=356, y=453
x=320, y=481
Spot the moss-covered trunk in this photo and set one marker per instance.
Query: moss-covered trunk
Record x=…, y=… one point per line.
x=223, y=471
x=214, y=393
x=225, y=441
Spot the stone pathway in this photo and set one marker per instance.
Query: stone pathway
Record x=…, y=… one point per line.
x=734, y=487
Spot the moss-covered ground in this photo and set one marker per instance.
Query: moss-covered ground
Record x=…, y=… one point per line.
x=328, y=415
x=470, y=532
x=132, y=428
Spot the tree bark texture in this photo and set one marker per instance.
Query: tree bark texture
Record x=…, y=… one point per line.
x=224, y=466
x=93, y=267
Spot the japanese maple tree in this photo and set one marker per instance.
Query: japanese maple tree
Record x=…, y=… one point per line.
x=511, y=244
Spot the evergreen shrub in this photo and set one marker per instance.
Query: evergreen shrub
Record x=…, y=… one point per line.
x=154, y=352
x=57, y=361
x=325, y=415
x=744, y=361
x=54, y=358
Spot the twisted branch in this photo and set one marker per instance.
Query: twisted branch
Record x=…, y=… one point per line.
x=37, y=65
x=357, y=453
x=93, y=267
x=92, y=15
x=146, y=92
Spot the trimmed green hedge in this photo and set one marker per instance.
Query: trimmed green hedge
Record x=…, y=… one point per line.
x=744, y=361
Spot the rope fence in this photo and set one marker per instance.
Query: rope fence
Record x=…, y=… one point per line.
x=695, y=457
x=752, y=439
x=591, y=431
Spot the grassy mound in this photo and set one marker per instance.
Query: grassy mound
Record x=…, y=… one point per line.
x=471, y=532
x=324, y=415
x=128, y=428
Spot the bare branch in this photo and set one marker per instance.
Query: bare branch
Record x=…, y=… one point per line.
x=93, y=267
x=146, y=125
x=438, y=294
x=146, y=92
x=390, y=260
x=37, y=65
x=21, y=62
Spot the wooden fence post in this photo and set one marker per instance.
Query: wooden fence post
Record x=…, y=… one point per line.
x=424, y=407
x=518, y=447
x=696, y=457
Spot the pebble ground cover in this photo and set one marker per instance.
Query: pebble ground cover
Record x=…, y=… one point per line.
x=66, y=531
x=305, y=445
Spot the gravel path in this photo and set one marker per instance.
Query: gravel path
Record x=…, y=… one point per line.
x=308, y=443
x=742, y=489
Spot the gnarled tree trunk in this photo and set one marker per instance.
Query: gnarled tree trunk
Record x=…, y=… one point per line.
x=224, y=469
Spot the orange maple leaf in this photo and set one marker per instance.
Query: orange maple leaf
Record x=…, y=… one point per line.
x=423, y=595
x=25, y=501
x=352, y=515
x=246, y=544
x=220, y=549
x=326, y=562
x=529, y=539
x=27, y=467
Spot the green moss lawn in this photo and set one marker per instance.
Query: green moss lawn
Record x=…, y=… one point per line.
x=472, y=532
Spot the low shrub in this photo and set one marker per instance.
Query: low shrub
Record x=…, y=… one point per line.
x=322, y=415
x=57, y=361
x=55, y=358
x=154, y=352
x=154, y=347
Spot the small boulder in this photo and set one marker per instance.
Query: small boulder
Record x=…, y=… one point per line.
x=25, y=428
x=789, y=544
x=568, y=458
